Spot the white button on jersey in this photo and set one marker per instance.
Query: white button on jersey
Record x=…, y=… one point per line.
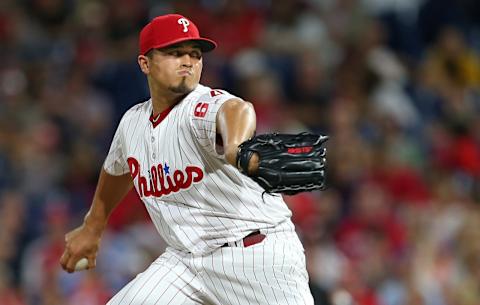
x=196, y=200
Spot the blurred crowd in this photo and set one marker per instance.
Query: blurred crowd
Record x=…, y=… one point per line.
x=395, y=84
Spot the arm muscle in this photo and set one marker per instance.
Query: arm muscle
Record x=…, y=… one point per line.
x=110, y=191
x=236, y=123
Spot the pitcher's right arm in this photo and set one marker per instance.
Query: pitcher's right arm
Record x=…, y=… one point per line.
x=84, y=241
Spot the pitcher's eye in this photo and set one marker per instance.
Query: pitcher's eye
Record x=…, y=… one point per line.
x=175, y=53
x=196, y=54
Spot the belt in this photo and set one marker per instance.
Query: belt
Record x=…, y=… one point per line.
x=251, y=239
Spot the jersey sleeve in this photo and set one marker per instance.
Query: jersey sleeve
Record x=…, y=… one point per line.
x=204, y=117
x=115, y=163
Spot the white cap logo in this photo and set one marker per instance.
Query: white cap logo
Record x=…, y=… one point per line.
x=185, y=24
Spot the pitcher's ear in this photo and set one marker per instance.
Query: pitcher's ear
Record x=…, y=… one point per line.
x=143, y=62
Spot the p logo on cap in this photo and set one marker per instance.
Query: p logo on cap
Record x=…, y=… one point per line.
x=170, y=29
x=185, y=23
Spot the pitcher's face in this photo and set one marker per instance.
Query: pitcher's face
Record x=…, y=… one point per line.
x=176, y=68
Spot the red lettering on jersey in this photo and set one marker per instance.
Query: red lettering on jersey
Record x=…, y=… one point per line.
x=215, y=92
x=201, y=110
x=299, y=150
x=160, y=185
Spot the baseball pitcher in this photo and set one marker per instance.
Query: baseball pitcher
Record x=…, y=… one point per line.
x=209, y=185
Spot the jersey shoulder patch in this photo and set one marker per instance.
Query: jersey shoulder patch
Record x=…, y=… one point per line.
x=201, y=107
x=215, y=92
x=214, y=96
x=210, y=101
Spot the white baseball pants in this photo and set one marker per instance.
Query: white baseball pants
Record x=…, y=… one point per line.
x=270, y=272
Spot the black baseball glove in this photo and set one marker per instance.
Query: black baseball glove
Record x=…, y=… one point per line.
x=287, y=163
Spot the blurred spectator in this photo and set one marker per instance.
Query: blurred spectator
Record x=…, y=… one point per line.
x=234, y=25
x=12, y=238
x=452, y=63
x=40, y=270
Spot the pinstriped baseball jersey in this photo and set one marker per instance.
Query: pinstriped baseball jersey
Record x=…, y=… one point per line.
x=196, y=200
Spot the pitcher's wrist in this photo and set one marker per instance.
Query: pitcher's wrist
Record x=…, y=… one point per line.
x=95, y=224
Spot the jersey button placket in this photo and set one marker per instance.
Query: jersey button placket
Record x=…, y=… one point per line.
x=152, y=141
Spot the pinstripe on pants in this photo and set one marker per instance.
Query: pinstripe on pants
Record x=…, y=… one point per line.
x=271, y=272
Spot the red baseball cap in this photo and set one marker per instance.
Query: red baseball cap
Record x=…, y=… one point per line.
x=169, y=29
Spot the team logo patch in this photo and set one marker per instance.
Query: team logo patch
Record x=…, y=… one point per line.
x=161, y=180
x=185, y=23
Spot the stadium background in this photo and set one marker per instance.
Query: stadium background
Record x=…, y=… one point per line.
x=395, y=83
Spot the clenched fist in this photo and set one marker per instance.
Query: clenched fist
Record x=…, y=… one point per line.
x=82, y=242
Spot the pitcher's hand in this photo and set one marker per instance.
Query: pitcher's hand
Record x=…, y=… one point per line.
x=81, y=242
